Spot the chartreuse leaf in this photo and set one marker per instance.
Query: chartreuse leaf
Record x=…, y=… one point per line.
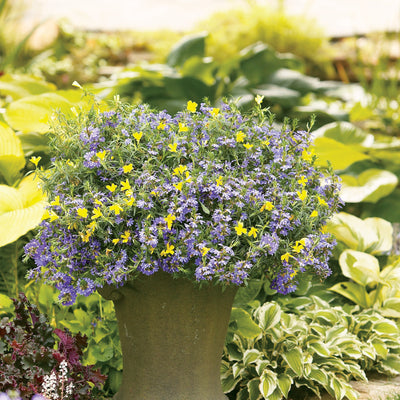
x=244, y=323
x=250, y=356
x=384, y=232
x=346, y=133
x=338, y=154
x=6, y=303
x=391, y=365
x=21, y=209
x=386, y=327
x=18, y=86
x=338, y=387
x=285, y=382
x=318, y=375
x=361, y=267
x=294, y=359
x=32, y=113
x=391, y=307
x=268, y=383
x=12, y=158
x=372, y=235
x=268, y=315
x=354, y=292
x=370, y=186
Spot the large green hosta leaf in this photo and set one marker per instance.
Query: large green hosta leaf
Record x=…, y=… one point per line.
x=32, y=113
x=12, y=158
x=338, y=154
x=371, y=185
x=346, y=133
x=21, y=209
x=361, y=267
x=189, y=46
x=372, y=235
x=19, y=86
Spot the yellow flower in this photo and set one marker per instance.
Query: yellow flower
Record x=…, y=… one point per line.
x=98, y=202
x=101, y=154
x=35, y=160
x=265, y=142
x=259, y=99
x=253, y=232
x=96, y=213
x=178, y=186
x=298, y=246
x=205, y=250
x=302, y=195
x=240, y=136
x=179, y=170
x=322, y=202
x=161, y=126
x=191, y=106
x=49, y=215
x=314, y=214
x=92, y=226
x=115, y=241
x=323, y=229
x=267, y=206
x=53, y=216
x=125, y=236
x=127, y=168
x=302, y=181
x=82, y=212
x=130, y=202
x=248, y=146
x=214, y=112
x=56, y=201
x=138, y=135
x=125, y=185
x=169, y=220
x=69, y=162
x=169, y=250
x=172, y=147
x=182, y=127
x=285, y=257
x=112, y=187
x=239, y=229
x=219, y=181
x=116, y=208
x=307, y=156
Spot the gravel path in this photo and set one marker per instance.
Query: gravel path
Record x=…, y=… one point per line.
x=337, y=17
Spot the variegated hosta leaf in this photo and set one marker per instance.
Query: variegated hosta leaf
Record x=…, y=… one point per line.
x=21, y=209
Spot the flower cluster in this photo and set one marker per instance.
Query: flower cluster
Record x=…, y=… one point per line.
x=57, y=386
x=210, y=194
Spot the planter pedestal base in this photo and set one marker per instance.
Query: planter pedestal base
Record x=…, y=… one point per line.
x=172, y=335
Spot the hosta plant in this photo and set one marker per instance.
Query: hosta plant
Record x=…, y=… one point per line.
x=271, y=350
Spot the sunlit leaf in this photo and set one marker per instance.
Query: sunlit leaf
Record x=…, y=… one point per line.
x=370, y=186
x=361, y=267
x=12, y=158
x=338, y=154
x=21, y=209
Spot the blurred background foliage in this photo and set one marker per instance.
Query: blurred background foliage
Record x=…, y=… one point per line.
x=351, y=86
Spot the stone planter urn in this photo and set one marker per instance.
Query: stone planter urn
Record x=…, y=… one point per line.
x=172, y=335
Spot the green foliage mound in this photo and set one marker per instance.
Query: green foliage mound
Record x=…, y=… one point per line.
x=234, y=30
